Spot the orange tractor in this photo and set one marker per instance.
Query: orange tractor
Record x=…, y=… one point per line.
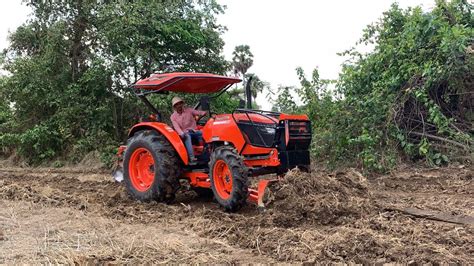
x=235, y=148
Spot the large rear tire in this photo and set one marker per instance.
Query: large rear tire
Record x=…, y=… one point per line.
x=151, y=167
x=229, y=178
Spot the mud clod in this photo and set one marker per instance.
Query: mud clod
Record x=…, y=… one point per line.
x=336, y=199
x=340, y=216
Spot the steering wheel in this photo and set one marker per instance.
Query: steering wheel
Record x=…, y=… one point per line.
x=200, y=120
x=204, y=103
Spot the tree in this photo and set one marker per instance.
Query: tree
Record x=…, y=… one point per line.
x=410, y=95
x=154, y=36
x=410, y=98
x=242, y=59
x=285, y=102
x=257, y=85
x=71, y=63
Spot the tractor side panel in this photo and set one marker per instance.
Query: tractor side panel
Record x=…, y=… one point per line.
x=168, y=132
x=223, y=128
x=253, y=150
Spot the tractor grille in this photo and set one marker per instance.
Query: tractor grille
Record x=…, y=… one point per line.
x=258, y=134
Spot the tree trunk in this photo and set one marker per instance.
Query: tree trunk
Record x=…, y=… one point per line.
x=78, y=30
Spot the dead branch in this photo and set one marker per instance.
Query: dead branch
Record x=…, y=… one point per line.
x=436, y=215
x=441, y=139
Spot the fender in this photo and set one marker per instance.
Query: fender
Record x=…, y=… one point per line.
x=168, y=132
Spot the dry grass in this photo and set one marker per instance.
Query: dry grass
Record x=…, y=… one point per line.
x=324, y=217
x=41, y=234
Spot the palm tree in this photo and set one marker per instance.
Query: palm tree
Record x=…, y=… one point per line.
x=242, y=59
x=257, y=85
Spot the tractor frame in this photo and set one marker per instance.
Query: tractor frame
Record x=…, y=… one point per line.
x=236, y=147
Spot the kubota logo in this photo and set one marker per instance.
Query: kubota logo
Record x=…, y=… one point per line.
x=221, y=122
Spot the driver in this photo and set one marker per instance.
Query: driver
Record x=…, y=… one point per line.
x=185, y=124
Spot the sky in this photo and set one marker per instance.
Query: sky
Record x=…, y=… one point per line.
x=12, y=15
x=282, y=34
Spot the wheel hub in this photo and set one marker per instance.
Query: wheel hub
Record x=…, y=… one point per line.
x=142, y=169
x=222, y=179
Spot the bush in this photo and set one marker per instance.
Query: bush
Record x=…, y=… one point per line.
x=410, y=96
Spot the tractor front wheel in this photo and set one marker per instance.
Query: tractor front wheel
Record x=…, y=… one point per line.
x=229, y=178
x=151, y=167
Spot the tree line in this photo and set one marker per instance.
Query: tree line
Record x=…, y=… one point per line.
x=410, y=99
x=69, y=66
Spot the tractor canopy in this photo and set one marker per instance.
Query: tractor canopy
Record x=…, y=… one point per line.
x=185, y=82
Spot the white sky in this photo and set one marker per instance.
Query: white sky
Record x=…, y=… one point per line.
x=12, y=15
x=282, y=34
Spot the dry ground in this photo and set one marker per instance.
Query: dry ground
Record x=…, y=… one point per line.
x=81, y=216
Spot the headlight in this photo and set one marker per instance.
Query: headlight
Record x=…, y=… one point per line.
x=270, y=130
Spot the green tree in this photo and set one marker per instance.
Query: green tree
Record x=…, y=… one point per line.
x=257, y=86
x=71, y=63
x=285, y=102
x=411, y=97
x=412, y=93
x=242, y=59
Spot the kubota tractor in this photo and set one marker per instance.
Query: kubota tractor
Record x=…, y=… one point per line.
x=236, y=147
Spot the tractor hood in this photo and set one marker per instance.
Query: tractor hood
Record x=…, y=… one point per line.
x=185, y=82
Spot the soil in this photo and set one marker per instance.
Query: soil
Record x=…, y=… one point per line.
x=80, y=215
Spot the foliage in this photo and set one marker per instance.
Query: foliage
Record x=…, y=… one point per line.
x=285, y=102
x=410, y=96
x=318, y=101
x=71, y=63
x=69, y=67
x=258, y=85
x=242, y=59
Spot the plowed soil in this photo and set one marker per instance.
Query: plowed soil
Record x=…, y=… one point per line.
x=83, y=216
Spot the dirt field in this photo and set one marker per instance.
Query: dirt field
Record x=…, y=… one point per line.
x=75, y=216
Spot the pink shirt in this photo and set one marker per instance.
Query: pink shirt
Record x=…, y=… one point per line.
x=185, y=121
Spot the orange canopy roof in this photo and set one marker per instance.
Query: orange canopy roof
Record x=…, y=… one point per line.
x=186, y=82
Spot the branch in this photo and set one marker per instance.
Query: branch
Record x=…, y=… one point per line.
x=441, y=139
x=435, y=215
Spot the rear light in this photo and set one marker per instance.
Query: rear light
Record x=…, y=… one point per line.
x=299, y=127
x=297, y=134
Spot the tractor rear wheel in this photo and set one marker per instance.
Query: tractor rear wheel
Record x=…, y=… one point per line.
x=151, y=167
x=229, y=178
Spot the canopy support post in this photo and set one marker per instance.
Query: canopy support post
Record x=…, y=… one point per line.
x=149, y=105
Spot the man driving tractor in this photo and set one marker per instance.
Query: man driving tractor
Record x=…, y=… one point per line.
x=185, y=124
x=239, y=151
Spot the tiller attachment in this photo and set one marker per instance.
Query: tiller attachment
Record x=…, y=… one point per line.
x=118, y=174
x=257, y=196
x=118, y=168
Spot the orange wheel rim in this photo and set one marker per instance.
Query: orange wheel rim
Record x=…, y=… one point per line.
x=222, y=177
x=142, y=169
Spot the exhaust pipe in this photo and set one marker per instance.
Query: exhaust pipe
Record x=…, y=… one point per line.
x=248, y=92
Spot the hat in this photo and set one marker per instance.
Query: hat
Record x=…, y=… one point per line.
x=176, y=100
